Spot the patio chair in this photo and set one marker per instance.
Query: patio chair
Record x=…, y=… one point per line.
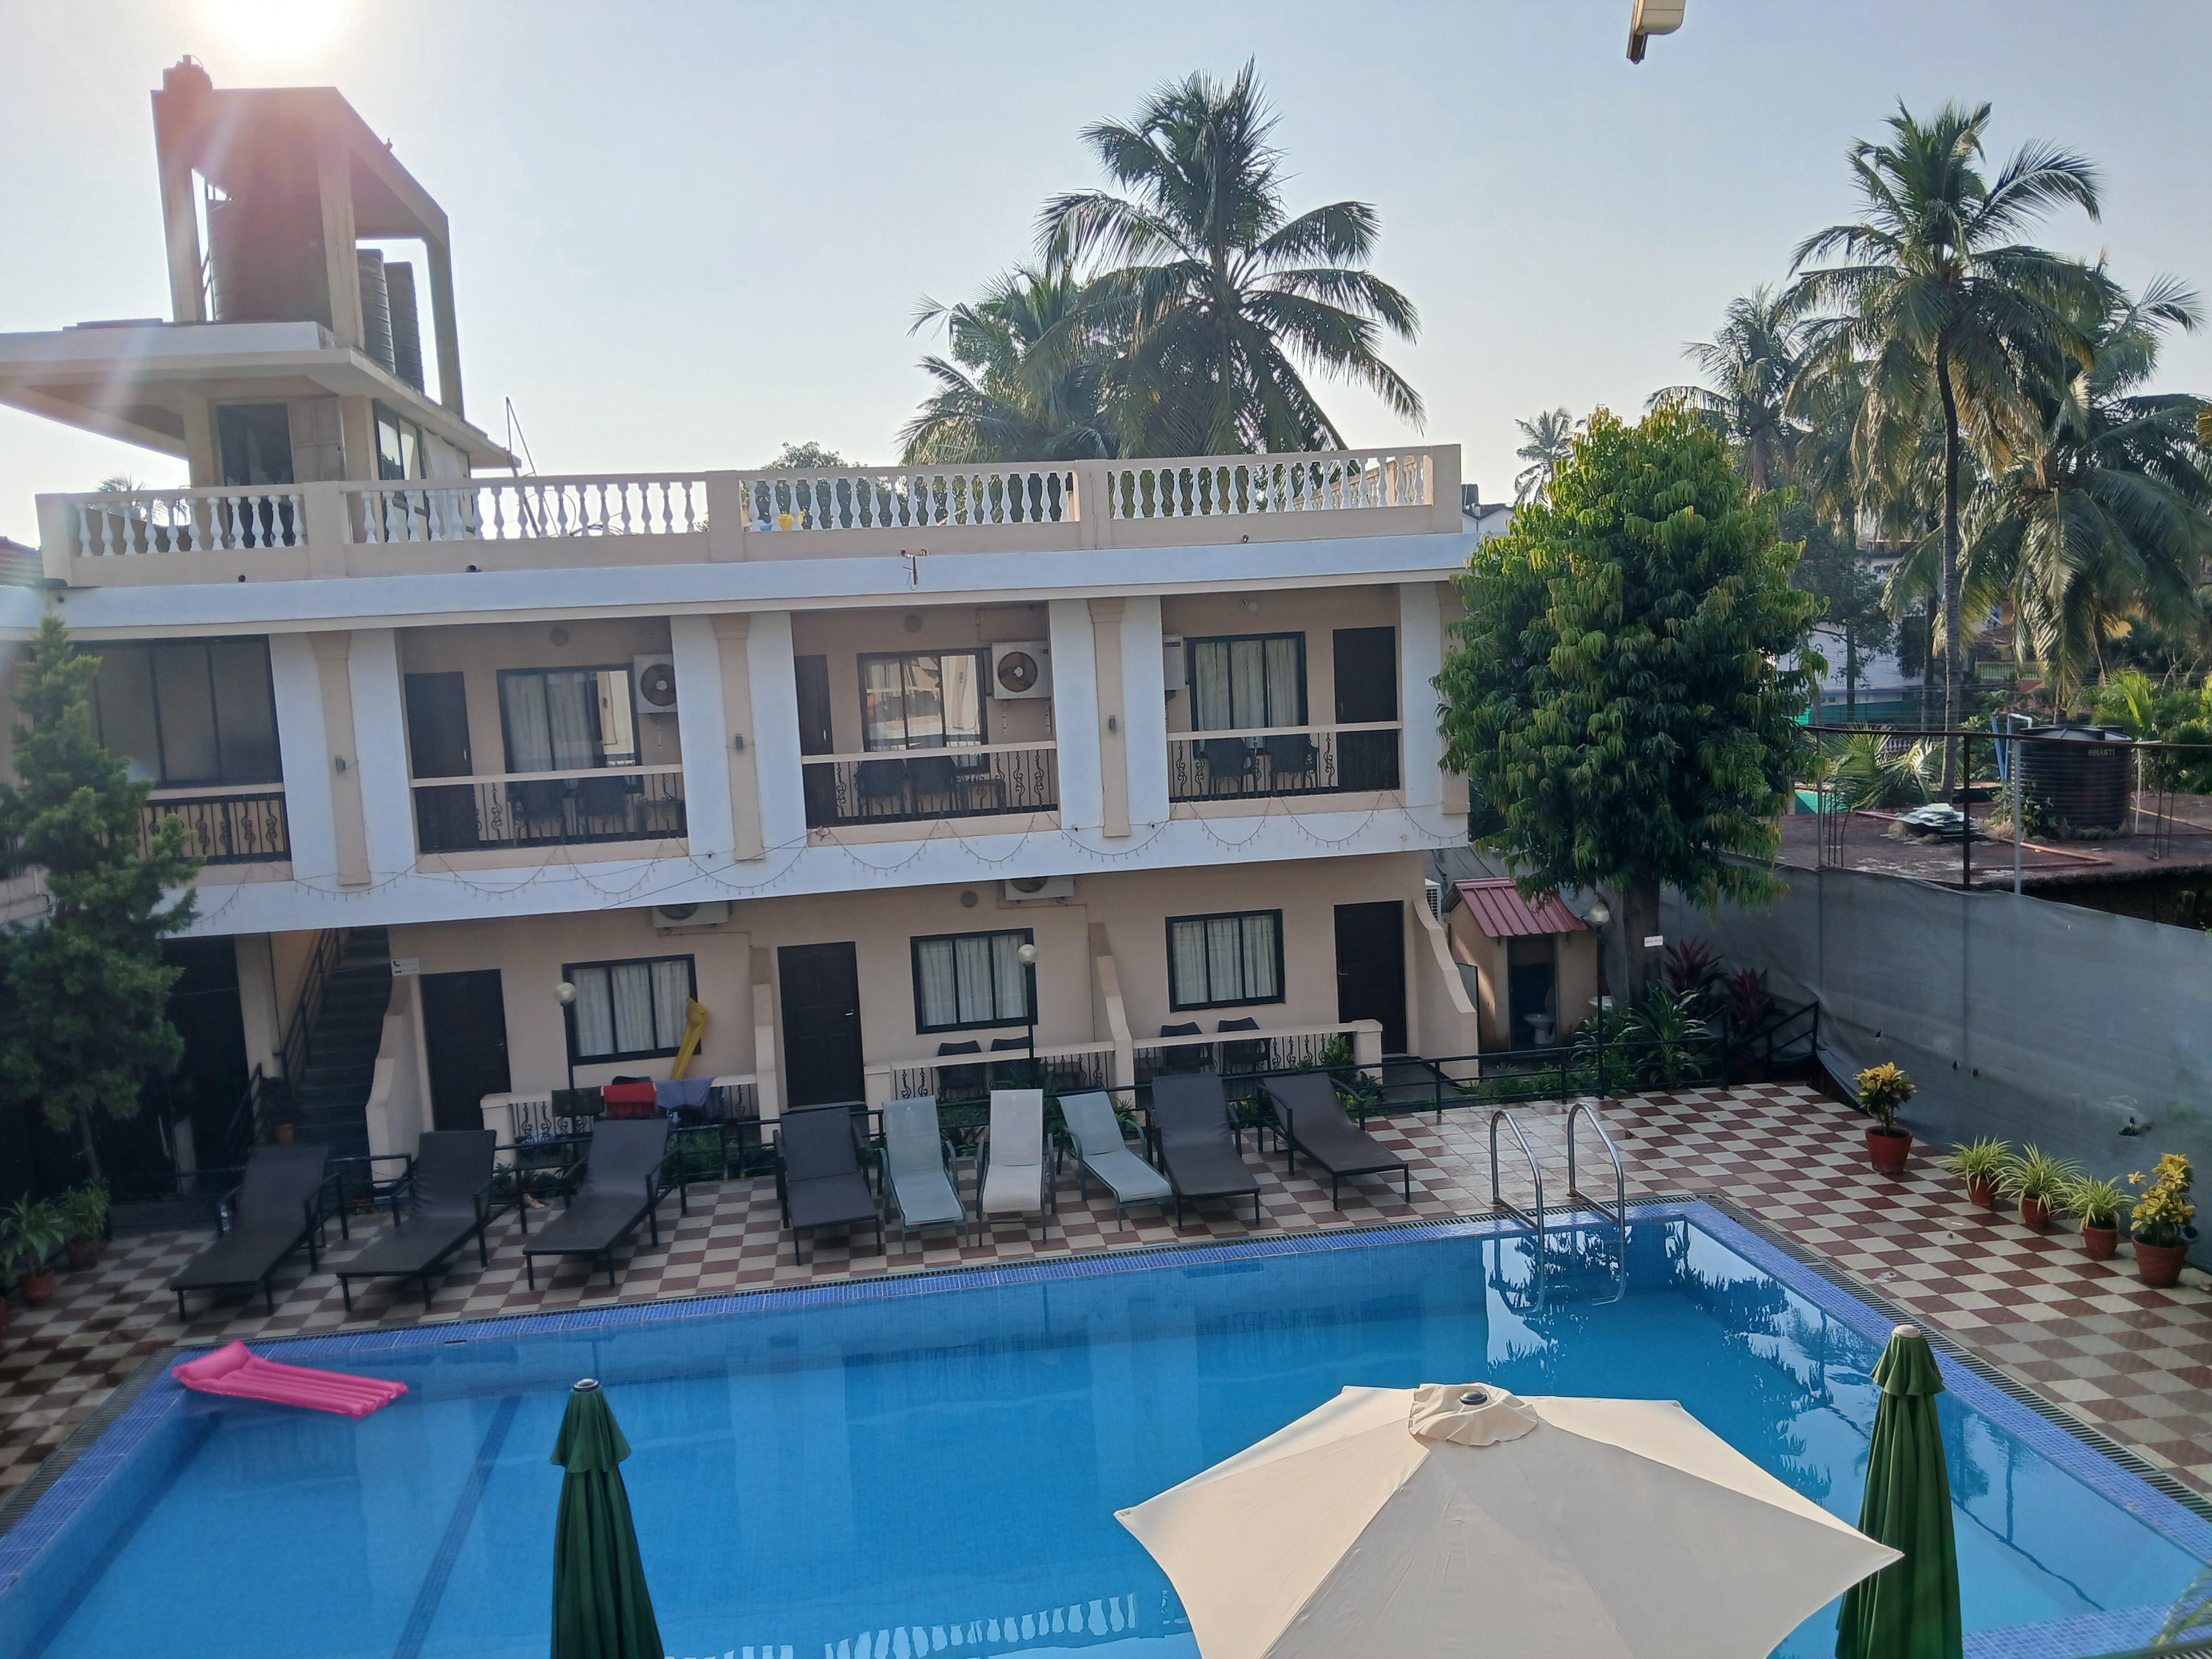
x=1011, y=1176
x=1186, y=1056
x=1014, y=1073
x=959, y=1082
x=1243, y=1057
x=1310, y=1113
x=603, y=805
x=1228, y=763
x=1292, y=761
x=933, y=781
x=276, y=1208
x=821, y=1177
x=622, y=1185
x=920, y=1174
x=449, y=1192
x=882, y=785
x=539, y=807
x=1103, y=1151
x=1198, y=1143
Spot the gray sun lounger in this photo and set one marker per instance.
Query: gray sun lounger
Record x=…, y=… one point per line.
x=620, y=1187
x=1198, y=1143
x=920, y=1174
x=449, y=1188
x=1313, y=1120
x=1102, y=1152
x=820, y=1178
x=279, y=1207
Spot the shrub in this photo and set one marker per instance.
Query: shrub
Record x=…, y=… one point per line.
x=83, y=1210
x=2032, y=1173
x=2162, y=1216
x=2094, y=1202
x=1979, y=1161
x=30, y=1232
x=1883, y=1089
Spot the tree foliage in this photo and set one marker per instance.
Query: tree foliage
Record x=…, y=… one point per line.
x=999, y=397
x=87, y=1018
x=1544, y=442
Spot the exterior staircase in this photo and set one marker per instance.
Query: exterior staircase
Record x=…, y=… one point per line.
x=341, y=1063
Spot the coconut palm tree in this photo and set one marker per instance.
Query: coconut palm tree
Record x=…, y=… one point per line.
x=1929, y=297
x=1749, y=367
x=998, y=398
x=1546, y=441
x=1221, y=296
x=2104, y=513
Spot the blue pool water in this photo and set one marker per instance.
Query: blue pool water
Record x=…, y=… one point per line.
x=932, y=1466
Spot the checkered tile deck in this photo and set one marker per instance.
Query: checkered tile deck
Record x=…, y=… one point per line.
x=2133, y=1362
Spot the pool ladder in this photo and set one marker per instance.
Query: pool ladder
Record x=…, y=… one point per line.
x=1618, y=1213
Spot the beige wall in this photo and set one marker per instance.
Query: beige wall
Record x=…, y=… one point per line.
x=1317, y=613
x=1574, y=965
x=844, y=636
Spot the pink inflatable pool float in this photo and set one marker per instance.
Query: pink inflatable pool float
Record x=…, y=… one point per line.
x=233, y=1371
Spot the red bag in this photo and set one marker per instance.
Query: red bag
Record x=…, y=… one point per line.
x=629, y=1100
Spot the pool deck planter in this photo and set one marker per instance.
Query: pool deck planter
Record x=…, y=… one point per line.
x=2099, y=1243
x=2159, y=1266
x=38, y=1288
x=1889, y=1149
x=1982, y=1194
x=2035, y=1213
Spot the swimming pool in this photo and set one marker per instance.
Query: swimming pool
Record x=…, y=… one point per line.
x=928, y=1464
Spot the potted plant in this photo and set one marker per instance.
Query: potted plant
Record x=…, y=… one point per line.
x=2096, y=1205
x=83, y=1211
x=2160, y=1220
x=1883, y=1089
x=1981, y=1163
x=30, y=1232
x=2039, y=1181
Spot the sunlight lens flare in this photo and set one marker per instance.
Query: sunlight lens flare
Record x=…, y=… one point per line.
x=275, y=29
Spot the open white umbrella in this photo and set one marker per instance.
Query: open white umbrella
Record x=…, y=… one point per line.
x=1403, y=1524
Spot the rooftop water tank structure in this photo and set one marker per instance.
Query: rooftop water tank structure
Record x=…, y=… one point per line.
x=406, y=322
x=2077, y=779
x=375, y=309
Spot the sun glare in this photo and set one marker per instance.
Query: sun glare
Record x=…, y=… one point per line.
x=275, y=29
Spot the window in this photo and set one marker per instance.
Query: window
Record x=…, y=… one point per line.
x=399, y=446
x=922, y=700
x=1238, y=684
x=566, y=720
x=256, y=443
x=963, y=980
x=1226, y=961
x=628, y=1010
x=191, y=712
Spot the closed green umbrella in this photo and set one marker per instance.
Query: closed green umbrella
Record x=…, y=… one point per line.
x=1909, y=1610
x=601, y=1607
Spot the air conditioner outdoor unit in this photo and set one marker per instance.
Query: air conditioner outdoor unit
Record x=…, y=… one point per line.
x=1024, y=889
x=1021, y=668
x=656, y=684
x=1173, y=664
x=682, y=918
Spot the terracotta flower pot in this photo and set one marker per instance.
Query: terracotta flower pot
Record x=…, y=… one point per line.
x=40, y=1288
x=2099, y=1243
x=1888, y=1148
x=286, y=1133
x=2157, y=1264
x=1982, y=1194
x=83, y=1252
x=2035, y=1212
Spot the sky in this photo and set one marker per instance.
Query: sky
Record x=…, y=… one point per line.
x=686, y=234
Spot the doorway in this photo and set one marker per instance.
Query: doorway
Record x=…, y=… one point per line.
x=438, y=747
x=822, y=1023
x=464, y=1043
x=1366, y=689
x=1370, y=968
x=1532, y=985
x=817, y=784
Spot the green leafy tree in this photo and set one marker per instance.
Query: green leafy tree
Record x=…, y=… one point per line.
x=1621, y=691
x=1853, y=612
x=1749, y=367
x=1544, y=442
x=807, y=456
x=86, y=1017
x=998, y=397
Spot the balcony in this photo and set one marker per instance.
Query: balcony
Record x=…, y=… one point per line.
x=1279, y=761
x=969, y=780
x=239, y=826
x=548, y=809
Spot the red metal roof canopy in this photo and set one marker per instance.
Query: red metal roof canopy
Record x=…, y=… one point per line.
x=1500, y=911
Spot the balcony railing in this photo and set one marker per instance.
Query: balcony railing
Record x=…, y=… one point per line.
x=525, y=509
x=1003, y=1063
x=242, y=826
x=1280, y=1049
x=1275, y=761
x=548, y=809
x=187, y=521
x=1269, y=484
x=918, y=785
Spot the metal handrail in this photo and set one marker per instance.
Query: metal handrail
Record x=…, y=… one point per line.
x=1498, y=1199
x=1620, y=1211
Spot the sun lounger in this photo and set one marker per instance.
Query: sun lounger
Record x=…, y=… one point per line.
x=820, y=1180
x=1313, y=1120
x=234, y=1371
x=449, y=1188
x=279, y=1207
x=1103, y=1152
x=620, y=1187
x=920, y=1175
x=1198, y=1144
x=1011, y=1177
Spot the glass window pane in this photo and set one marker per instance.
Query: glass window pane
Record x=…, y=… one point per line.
x=123, y=701
x=1286, y=690
x=523, y=713
x=390, y=458
x=617, y=719
x=963, y=682
x=883, y=703
x=1013, y=989
x=937, y=985
x=245, y=711
x=594, y=1012
x=1209, y=705
x=187, y=702
x=972, y=958
x=631, y=983
x=1247, y=683
x=572, y=709
x=671, y=1001
x=1225, y=959
x=1260, y=952
x=1186, y=976
x=925, y=704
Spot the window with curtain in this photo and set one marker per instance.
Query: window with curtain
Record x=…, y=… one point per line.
x=566, y=720
x=921, y=700
x=962, y=981
x=1226, y=960
x=197, y=712
x=1253, y=681
x=628, y=1010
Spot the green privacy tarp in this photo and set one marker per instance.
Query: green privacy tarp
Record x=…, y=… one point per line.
x=1909, y=1610
x=601, y=1607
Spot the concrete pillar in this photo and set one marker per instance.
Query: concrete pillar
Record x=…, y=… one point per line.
x=443, y=327
x=1420, y=660
x=1075, y=721
x=1144, y=706
x=1113, y=715
x=257, y=1001
x=733, y=636
x=348, y=833
x=705, y=738
x=380, y=727
x=773, y=742
x=334, y=182
x=767, y=1082
x=303, y=746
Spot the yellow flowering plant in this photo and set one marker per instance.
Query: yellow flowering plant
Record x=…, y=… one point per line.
x=2163, y=1215
x=1883, y=1089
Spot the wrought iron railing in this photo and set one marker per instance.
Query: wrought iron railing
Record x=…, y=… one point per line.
x=1235, y=1053
x=972, y=781
x=1277, y=761
x=549, y=809
x=960, y=1078
x=241, y=827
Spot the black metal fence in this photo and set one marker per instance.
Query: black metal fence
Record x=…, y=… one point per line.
x=938, y=783
x=459, y=818
x=1316, y=762
x=228, y=829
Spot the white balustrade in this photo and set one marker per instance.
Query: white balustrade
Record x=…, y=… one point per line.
x=529, y=508
x=876, y=498
x=114, y=524
x=1270, y=483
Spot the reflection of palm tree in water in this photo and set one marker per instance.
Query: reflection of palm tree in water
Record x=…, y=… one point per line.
x=2191, y=1616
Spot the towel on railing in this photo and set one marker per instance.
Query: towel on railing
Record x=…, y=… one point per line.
x=688, y=1093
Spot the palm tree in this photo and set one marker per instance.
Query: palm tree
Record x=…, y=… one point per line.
x=1546, y=440
x=2104, y=513
x=1749, y=367
x=1221, y=296
x=999, y=398
x=1947, y=318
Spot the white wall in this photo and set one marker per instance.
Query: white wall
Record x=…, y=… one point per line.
x=1075, y=715
x=705, y=739
x=303, y=746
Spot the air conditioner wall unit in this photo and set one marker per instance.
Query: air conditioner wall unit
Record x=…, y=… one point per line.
x=654, y=678
x=1021, y=668
x=1032, y=889
x=685, y=918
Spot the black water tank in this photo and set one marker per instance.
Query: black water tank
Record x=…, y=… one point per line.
x=2079, y=778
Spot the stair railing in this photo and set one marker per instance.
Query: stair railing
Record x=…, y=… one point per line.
x=299, y=1031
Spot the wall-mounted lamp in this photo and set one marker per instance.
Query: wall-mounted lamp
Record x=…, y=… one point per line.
x=738, y=743
x=340, y=762
x=1113, y=722
x=1251, y=607
x=1599, y=913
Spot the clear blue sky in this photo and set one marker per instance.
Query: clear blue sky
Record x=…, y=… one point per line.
x=684, y=233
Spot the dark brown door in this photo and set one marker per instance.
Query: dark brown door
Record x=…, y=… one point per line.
x=817, y=784
x=822, y=1023
x=464, y=1040
x=1366, y=689
x=1370, y=968
x=438, y=747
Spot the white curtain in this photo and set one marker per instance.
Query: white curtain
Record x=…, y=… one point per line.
x=1187, y=964
x=1209, y=705
x=632, y=986
x=1260, y=952
x=937, y=982
x=963, y=684
x=594, y=1012
x=971, y=957
x=1221, y=959
x=671, y=999
x=1286, y=687
x=973, y=978
x=1247, y=683
x=522, y=710
x=572, y=714
x=1242, y=684
x=1006, y=974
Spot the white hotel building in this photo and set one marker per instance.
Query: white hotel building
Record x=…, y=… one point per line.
x=818, y=750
